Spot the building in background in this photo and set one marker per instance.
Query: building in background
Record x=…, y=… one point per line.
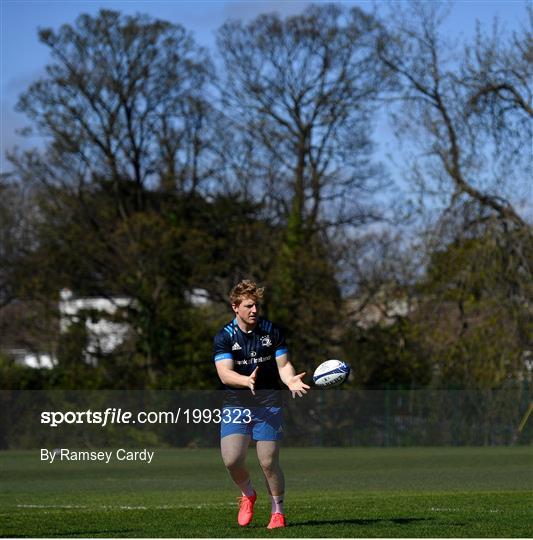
x=30, y=336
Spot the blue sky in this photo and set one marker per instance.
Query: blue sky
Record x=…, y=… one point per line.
x=23, y=58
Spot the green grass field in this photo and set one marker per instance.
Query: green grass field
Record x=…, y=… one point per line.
x=331, y=492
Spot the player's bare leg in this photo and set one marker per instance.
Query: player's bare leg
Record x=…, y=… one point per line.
x=268, y=454
x=234, y=449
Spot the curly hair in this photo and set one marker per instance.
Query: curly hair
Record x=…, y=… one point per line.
x=245, y=289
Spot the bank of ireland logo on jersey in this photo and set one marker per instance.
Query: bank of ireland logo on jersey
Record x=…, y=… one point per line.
x=266, y=341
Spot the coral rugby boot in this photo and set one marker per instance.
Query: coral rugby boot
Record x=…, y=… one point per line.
x=246, y=509
x=277, y=520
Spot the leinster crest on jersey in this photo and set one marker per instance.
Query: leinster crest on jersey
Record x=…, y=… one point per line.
x=266, y=341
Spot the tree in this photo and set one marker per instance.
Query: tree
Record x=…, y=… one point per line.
x=439, y=108
x=468, y=113
x=302, y=90
x=497, y=72
x=123, y=110
x=12, y=236
x=122, y=100
x=470, y=321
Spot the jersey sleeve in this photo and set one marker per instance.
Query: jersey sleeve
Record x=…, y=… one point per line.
x=280, y=346
x=222, y=347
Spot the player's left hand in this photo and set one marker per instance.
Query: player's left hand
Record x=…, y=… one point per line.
x=297, y=386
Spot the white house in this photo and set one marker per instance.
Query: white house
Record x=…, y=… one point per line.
x=103, y=334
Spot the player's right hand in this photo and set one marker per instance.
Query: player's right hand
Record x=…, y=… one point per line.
x=251, y=380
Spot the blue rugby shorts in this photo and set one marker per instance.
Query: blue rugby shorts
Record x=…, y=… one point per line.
x=259, y=423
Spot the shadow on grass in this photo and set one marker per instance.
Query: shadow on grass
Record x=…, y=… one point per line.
x=355, y=521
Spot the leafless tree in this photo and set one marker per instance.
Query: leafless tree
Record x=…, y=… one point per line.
x=467, y=109
x=300, y=91
x=439, y=108
x=123, y=100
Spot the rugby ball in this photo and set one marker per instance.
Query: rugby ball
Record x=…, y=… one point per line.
x=331, y=373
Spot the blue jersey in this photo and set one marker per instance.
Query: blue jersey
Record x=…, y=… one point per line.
x=258, y=348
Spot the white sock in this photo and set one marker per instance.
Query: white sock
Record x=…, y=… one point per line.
x=277, y=503
x=246, y=487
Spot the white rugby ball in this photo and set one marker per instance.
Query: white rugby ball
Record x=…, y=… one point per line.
x=331, y=373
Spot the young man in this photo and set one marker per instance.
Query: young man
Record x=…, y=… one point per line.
x=251, y=357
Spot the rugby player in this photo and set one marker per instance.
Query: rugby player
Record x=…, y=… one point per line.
x=251, y=359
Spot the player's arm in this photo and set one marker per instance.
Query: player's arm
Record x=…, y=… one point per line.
x=229, y=377
x=288, y=376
